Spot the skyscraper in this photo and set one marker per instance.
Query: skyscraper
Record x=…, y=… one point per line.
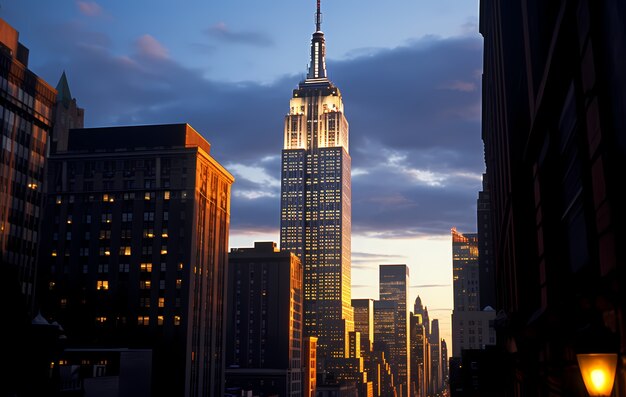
x=316, y=203
x=137, y=223
x=394, y=287
x=435, y=358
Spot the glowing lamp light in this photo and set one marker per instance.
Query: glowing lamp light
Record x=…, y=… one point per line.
x=598, y=371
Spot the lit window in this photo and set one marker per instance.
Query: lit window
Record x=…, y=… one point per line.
x=101, y=319
x=161, y=302
x=145, y=267
x=54, y=252
x=143, y=320
x=164, y=233
x=164, y=250
x=149, y=196
x=69, y=219
x=145, y=284
x=180, y=266
x=102, y=285
x=166, y=195
x=63, y=303
x=125, y=251
x=176, y=320
x=179, y=283
x=160, y=320
x=59, y=200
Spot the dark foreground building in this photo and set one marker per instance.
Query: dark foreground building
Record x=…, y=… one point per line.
x=136, y=226
x=554, y=129
x=264, y=321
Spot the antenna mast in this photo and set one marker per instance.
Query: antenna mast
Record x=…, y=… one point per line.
x=318, y=18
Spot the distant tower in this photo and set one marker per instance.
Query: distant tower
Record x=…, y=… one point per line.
x=316, y=204
x=435, y=358
x=470, y=325
x=67, y=115
x=394, y=287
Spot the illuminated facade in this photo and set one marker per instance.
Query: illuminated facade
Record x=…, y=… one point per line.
x=471, y=327
x=316, y=204
x=26, y=103
x=137, y=223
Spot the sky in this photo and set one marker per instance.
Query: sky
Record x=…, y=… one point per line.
x=409, y=72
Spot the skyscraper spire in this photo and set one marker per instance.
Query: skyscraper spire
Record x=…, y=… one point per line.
x=317, y=68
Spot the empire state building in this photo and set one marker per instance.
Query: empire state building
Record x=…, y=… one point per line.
x=315, y=218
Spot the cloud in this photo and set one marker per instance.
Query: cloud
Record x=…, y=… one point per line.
x=415, y=148
x=220, y=31
x=89, y=8
x=463, y=86
x=421, y=286
x=150, y=47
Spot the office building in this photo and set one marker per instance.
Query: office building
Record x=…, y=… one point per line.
x=316, y=203
x=394, y=287
x=137, y=223
x=26, y=104
x=264, y=321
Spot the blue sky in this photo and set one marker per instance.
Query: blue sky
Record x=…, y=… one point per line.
x=409, y=72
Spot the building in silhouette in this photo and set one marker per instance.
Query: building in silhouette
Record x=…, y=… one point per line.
x=316, y=203
x=445, y=367
x=436, y=382
x=67, y=116
x=554, y=100
x=419, y=343
x=486, y=271
x=137, y=223
x=264, y=321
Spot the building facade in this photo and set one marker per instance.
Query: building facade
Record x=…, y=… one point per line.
x=26, y=118
x=316, y=204
x=26, y=104
x=554, y=100
x=264, y=321
x=137, y=220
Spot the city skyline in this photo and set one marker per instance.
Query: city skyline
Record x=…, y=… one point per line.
x=434, y=155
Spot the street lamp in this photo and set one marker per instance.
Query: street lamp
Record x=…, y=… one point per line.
x=598, y=371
